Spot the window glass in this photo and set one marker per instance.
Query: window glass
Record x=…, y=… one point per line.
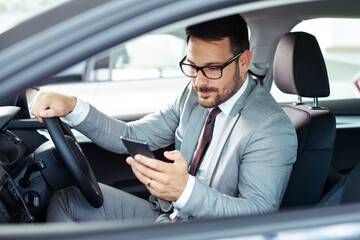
x=147, y=57
x=339, y=40
x=136, y=77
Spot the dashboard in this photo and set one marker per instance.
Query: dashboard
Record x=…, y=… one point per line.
x=27, y=180
x=12, y=206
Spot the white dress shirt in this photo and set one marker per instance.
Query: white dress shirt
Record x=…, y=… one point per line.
x=82, y=108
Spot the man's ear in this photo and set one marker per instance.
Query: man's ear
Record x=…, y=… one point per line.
x=244, y=61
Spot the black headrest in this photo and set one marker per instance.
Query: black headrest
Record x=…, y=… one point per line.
x=299, y=66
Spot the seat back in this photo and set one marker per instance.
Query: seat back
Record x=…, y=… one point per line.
x=299, y=69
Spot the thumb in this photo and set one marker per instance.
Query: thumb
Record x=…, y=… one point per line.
x=48, y=113
x=174, y=155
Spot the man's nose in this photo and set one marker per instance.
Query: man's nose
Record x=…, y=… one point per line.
x=201, y=79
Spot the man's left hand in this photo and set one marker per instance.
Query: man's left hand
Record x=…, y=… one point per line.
x=164, y=180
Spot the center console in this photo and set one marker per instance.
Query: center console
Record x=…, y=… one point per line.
x=12, y=206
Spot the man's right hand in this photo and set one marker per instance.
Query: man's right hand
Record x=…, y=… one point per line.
x=50, y=104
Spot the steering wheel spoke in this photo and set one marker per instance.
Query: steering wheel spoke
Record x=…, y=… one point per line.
x=75, y=160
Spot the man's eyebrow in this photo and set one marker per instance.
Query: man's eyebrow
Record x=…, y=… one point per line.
x=206, y=64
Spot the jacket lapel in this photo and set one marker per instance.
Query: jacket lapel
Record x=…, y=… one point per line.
x=193, y=131
x=229, y=124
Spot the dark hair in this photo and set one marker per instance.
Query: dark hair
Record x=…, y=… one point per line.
x=234, y=27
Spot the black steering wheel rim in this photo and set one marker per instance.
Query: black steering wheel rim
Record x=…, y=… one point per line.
x=75, y=161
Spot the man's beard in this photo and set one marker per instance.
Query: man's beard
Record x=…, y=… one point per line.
x=226, y=92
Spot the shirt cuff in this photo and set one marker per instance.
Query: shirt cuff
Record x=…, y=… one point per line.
x=78, y=115
x=184, y=197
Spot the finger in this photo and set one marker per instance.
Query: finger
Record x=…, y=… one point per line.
x=134, y=167
x=152, y=163
x=40, y=119
x=33, y=108
x=148, y=182
x=39, y=106
x=52, y=112
x=35, y=100
x=139, y=175
x=145, y=170
x=32, y=103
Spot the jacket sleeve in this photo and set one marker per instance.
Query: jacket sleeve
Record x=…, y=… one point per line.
x=157, y=129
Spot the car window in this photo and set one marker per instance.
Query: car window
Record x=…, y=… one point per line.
x=151, y=56
x=138, y=76
x=339, y=41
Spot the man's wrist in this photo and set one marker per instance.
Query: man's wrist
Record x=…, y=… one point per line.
x=73, y=103
x=78, y=114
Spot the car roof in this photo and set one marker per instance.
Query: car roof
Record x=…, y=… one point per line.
x=46, y=20
x=301, y=10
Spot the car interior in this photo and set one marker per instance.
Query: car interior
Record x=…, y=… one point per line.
x=33, y=166
x=315, y=125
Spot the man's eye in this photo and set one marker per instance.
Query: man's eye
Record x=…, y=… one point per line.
x=213, y=68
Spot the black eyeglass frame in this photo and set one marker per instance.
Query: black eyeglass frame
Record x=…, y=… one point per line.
x=221, y=67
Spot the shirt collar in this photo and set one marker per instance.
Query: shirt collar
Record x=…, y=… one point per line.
x=228, y=104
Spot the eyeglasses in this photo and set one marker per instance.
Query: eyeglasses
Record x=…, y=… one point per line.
x=210, y=72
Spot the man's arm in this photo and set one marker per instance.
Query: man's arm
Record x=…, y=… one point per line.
x=157, y=129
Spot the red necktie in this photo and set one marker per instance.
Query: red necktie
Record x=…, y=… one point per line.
x=204, y=141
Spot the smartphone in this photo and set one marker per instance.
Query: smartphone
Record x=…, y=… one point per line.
x=135, y=146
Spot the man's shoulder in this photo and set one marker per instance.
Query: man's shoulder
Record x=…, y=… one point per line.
x=260, y=104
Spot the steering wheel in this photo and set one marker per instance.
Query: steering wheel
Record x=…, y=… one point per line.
x=75, y=160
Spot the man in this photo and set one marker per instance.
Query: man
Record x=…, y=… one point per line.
x=244, y=169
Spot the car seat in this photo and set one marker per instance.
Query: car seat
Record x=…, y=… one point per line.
x=299, y=69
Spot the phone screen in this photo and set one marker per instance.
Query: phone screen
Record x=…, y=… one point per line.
x=135, y=146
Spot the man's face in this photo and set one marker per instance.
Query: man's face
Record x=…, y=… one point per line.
x=207, y=53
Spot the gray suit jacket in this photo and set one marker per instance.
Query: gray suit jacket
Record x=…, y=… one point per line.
x=248, y=171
